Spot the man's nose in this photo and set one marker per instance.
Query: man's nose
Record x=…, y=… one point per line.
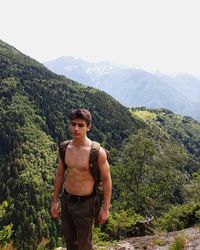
x=76, y=127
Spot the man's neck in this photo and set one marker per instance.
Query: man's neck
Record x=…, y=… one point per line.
x=78, y=142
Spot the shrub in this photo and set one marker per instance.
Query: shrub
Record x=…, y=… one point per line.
x=120, y=223
x=179, y=217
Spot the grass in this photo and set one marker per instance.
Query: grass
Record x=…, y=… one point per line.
x=179, y=243
x=159, y=242
x=42, y=244
x=145, y=115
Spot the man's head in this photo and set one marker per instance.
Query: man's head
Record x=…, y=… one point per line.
x=83, y=114
x=80, y=123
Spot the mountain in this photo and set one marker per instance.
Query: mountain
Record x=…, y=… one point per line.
x=34, y=108
x=183, y=129
x=134, y=88
x=154, y=152
x=189, y=86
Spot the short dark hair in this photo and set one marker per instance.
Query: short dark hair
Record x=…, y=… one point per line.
x=81, y=114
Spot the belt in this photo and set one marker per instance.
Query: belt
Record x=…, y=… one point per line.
x=77, y=198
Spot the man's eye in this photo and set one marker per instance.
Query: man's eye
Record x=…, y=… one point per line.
x=79, y=125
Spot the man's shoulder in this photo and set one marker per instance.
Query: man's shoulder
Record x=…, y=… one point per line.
x=100, y=150
x=95, y=145
x=62, y=147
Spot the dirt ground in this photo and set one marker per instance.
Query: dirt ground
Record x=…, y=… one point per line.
x=157, y=242
x=160, y=241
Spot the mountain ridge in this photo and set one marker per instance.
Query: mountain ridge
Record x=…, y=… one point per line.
x=134, y=87
x=35, y=104
x=157, y=146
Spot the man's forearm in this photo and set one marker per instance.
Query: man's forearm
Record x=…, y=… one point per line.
x=59, y=180
x=107, y=187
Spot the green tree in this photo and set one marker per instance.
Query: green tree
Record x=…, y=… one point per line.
x=6, y=230
x=150, y=173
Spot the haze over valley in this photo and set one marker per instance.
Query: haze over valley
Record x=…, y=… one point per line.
x=135, y=87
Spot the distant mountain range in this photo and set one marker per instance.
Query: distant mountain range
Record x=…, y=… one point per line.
x=133, y=87
x=35, y=104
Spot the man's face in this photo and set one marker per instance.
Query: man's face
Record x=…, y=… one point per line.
x=79, y=128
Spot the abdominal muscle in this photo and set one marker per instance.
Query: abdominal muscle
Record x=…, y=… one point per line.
x=79, y=181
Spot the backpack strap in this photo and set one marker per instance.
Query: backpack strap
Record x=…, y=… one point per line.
x=62, y=148
x=93, y=159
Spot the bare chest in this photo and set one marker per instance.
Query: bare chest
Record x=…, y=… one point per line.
x=77, y=158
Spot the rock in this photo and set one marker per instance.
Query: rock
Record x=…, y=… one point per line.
x=161, y=241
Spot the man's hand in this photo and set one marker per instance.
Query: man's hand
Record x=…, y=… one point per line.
x=54, y=210
x=103, y=216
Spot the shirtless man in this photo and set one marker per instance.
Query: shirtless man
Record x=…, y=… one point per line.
x=77, y=200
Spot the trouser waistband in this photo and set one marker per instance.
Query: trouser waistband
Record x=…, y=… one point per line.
x=77, y=198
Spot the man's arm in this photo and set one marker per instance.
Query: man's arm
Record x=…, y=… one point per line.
x=58, y=184
x=107, y=185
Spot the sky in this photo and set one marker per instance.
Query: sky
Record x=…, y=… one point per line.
x=154, y=35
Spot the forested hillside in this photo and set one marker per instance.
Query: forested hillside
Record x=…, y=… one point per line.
x=34, y=109
x=158, y=162
x=155, y=153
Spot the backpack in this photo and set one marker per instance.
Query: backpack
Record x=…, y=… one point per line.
x=93, y=164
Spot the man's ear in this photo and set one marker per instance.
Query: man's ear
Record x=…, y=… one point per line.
x=89, y=127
